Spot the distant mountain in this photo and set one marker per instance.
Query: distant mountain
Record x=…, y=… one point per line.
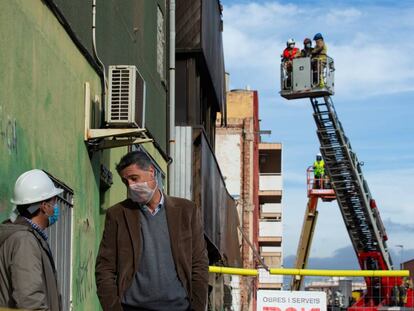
x=343, y=258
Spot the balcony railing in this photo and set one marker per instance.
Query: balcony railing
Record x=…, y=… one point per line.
x=271, y=209
x=270, y=182
x=271, y=249
x=270, y=229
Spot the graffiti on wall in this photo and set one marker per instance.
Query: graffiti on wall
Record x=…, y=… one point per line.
x=85, y=274
x=85, y=278
x=8, y=135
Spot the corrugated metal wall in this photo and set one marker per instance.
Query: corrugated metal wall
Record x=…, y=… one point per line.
x=199, y=178
x=219, y=208
x=60, y=242
x=183, y=163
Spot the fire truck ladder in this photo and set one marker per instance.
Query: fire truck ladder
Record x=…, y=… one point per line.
x=358, y=209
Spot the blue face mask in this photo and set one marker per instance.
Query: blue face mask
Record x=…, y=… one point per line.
x=55, y=216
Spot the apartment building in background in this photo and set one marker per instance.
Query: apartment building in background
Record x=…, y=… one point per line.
x=270, y=213
x=199, y=97
x=252, y=170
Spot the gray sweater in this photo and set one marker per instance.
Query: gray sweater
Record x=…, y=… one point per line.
x=156, y=285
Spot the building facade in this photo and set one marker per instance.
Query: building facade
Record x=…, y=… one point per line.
x=253, y=175
x=270, y=238
x=199, y=96
x=52, y=117
x=53, y=76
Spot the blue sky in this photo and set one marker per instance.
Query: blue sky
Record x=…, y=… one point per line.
x=371, y=43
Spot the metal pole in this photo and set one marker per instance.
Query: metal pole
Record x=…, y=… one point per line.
x=310, y=272
x=233, y=271
x=171, y=89
x=401, y=254
x=350, y=273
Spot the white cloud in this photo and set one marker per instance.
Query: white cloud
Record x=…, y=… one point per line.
x=372, y=57
x=343, y=16
x=393, y=191
x=372, y=53
x=254, y=16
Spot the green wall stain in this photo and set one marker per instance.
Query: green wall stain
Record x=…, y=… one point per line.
x=48, y=100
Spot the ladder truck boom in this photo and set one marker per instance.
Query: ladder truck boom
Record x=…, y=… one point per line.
x=354, y=198
x=314, y=79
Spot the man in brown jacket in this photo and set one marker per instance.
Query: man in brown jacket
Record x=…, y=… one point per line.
x=153, y=253
x=27, y=270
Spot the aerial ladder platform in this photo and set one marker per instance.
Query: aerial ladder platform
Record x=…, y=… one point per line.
x=317, y=189
x=314, y=79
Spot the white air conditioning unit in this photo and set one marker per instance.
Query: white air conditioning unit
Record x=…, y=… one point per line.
x=126, y=100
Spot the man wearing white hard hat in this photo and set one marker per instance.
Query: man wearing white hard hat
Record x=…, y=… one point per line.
x=27, y=269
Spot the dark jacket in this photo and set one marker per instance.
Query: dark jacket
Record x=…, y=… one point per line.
x=118, y=255
x=27, y=271
x=306, y=52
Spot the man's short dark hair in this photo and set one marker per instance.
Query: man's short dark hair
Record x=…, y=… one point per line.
x=25, y=210
x=139, y=158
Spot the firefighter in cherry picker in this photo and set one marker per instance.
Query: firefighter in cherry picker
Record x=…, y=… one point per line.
x=289, y=53
x=319, y=171
x=307, y=48
x=319, y=56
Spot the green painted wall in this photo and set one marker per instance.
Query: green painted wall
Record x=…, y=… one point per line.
x=117, y=191
x=126, y=34
x=42, y=123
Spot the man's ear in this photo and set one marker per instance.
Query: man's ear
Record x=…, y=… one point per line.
x=43, y=207
x=152, y=170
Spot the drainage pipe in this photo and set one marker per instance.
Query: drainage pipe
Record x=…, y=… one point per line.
x=171, y=89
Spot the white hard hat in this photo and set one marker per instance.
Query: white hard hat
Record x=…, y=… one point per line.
x=34, y=186
x=319, y=155
x=290, y=41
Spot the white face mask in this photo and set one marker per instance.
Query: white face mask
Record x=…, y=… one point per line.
x=141, y=193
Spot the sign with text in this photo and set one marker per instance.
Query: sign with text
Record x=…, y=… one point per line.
x=274, y=300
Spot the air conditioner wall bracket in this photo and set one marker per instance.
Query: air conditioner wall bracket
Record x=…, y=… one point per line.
x=114, y=132
x=105, y=138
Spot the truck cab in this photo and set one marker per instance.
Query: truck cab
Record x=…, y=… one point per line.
x=307, y=77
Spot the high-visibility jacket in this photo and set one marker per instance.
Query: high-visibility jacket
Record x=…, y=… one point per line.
x=319, y=168
x=320, y=51
x=289, y=54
